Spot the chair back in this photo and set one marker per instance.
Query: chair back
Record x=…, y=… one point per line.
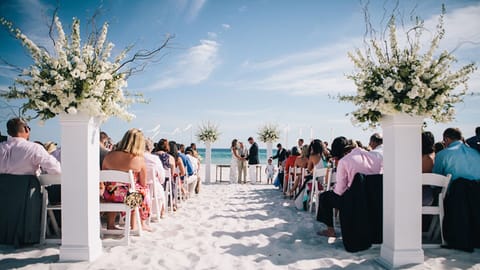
x=117, y=176
x=438, y=180
x=317, y=173
x=50, y=179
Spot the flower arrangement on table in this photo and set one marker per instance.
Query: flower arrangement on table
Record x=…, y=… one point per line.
x=268, y=133
x=74, y=78
x=392, y=80
x=208, y=133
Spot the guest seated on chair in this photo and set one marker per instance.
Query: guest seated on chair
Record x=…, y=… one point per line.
x=352, y=160
x=128, y=155
x=457, y=159
x=300, y=162
x=289, y=164
x=22, y=157
x=153, y=163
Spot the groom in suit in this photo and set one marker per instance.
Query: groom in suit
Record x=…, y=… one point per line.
x=252, y=160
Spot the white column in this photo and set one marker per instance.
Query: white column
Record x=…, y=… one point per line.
x=80, y=191
x=402, y=192
x=269, y=150
x=208, y=161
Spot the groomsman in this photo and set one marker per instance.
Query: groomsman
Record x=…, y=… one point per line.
x=252, y=160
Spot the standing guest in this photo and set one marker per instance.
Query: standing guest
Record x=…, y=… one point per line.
x=457, y=159
x=281, y=154
x=376, y=145
x=242, y=163
x=352, y=160
x=252, y=160
x=234, y=162
x=22, y=157
x=155, y=167
x=128, y=155
x=270, y=171
x=474, y=141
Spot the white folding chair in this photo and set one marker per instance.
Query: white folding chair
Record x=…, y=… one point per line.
x=317, y=176
x=153, y=186
x=126, y=178
x=47, y=208
x=438, y=180
x=168, y=190
x=291, y=178
x=299, y=172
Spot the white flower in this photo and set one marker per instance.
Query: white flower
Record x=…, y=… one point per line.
x=76, y=78
x=390, y=79
x=398, y=86
x=72, y=110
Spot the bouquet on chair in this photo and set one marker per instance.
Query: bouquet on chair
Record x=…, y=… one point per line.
x=133, y=199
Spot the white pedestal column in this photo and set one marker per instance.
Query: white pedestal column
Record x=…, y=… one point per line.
x=208, y=161
x=269, y=150
x=80, y=193
x=402, y=192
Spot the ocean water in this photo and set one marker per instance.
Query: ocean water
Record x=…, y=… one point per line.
x=224, y=156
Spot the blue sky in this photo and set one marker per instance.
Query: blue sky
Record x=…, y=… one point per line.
x=241, y=64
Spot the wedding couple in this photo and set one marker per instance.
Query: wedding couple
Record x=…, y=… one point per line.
x=240, y=157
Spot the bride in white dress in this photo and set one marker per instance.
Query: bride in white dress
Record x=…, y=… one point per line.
x=234, y=161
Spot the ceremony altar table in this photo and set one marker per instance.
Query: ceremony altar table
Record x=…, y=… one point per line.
x=219, y=170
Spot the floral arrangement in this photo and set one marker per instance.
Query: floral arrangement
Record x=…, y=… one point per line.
x=75, y=78
x=133, y=199
x=268, y=133
x=208, y=133
x=392, y=80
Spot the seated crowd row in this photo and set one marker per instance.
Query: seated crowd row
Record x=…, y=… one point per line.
x=150, y=163
x=454, y=155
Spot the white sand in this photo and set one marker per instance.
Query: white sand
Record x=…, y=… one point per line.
x=232, y=227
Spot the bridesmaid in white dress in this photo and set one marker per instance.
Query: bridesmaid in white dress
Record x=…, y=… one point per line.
x=234, y=161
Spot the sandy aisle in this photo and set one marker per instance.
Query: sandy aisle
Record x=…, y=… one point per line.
x=233, y=227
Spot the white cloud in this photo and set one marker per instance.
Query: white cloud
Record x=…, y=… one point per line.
x=212, y=35
x=225, y=26
x=242, y=9
x=193, y=67
x=194, y=9
x=323, y=69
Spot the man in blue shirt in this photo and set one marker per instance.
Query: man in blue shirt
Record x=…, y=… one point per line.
x=457, y=159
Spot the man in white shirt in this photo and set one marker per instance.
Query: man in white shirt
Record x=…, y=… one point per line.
x=376, y=144
x=20, y=156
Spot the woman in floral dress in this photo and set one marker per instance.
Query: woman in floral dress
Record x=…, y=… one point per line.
x=128, y=155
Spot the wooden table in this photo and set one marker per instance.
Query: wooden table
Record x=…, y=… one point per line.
x=220, y=168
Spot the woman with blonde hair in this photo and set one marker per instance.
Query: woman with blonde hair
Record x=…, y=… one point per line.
x=128, y=155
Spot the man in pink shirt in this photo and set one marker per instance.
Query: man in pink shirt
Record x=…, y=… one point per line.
x=20, y=156
x=352, y=160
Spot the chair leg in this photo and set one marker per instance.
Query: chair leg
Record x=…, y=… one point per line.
x=126, y=234
x=138, y=221
x=53, y=220
x=43, y=224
